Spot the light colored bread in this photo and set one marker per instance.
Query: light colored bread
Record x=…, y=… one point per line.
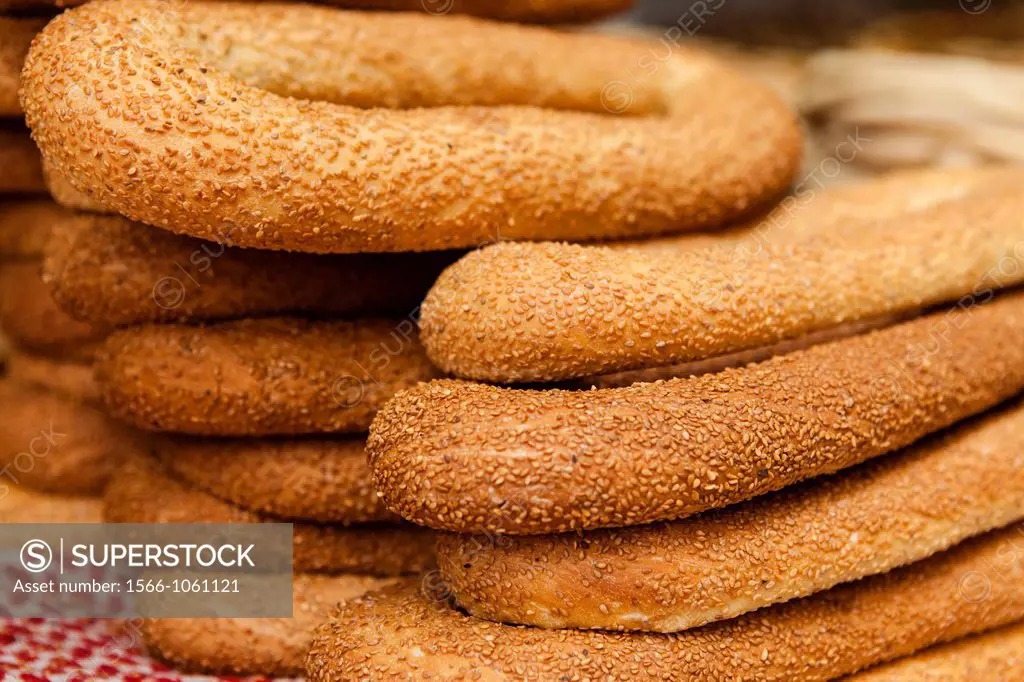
x=400, y=634
x=466, y=457
x=804, y=539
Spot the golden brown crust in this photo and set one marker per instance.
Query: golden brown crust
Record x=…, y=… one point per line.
x=996, y=656
x=398, y=634
x=317, y=479
x=804, y=539
x=255, y=646
x=30, y=317
x=25, y=228
x=275, y=376
x=109, y=270
x=21, y=170
x=541, y=312
x=15, y=37
x=693, y=144
x=18, y=505
x=74, y=380
x=142, y=492
x=54, y=444
x=467, y=457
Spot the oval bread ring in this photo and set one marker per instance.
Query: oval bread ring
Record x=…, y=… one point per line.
x=21, y=168
x=316, y=479
x=994, y=656
x=802, y=540
x=30, y=317
x=15, y=37
x=400, y=634
x=53, y=444
x=543, y=312
x=20, y=505
x=142, y=492
x=448, y=164
x=273, y=376
x=74, y=380
x=270, y=647
x=107, y=269
x=468, y=457
x=528, y=11
x=25, y=228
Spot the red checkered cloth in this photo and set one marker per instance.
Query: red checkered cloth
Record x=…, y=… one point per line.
x=80, y=650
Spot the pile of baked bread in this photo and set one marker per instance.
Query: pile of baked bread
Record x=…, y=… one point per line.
x=54, y=437
x=529, y=335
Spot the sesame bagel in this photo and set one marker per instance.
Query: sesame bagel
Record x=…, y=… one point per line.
x=542, y=312
x=255, y=646
x=18, y=505
x=74, y=380
x=25, y=228
x=467, y=457
x=31, y=319
x=142, y=492
x=21, y=170
x=802, y=540
x=400, y=634
x=109, y=270
x=317, y=479
x=15, y=37
x=996, y=656
x=291, y=127
x=54, y=444
x=274, y=376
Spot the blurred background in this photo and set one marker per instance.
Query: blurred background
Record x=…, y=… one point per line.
x=918, y=83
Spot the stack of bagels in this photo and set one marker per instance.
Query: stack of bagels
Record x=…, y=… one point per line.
x=702, y=512
x=670, y=423
x=55, y=442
